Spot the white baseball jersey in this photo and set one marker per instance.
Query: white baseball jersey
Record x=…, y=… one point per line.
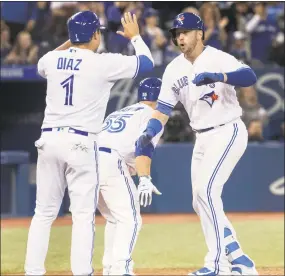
x=78, y=86
x=207, y=105
x=122, y=128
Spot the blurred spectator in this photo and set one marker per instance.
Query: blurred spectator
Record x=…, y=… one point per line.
x=274, y=9
x=252, y=110
x=255, y=131
x=43, y=19
x=177, y=129
x=191, y=10
x=24, y=51
x=171, y=52
x=56, y=32
x=277, y=49
x=243, y=14
x=63, y=9
x=137, y=9
x=5, y=38
x=228, y=10
x=84, y=6
x=157, y=38
x=99, y=9
x=115, y=42
x=215, y=34
x=18, y=16
x=262, y=31
x=238, y=49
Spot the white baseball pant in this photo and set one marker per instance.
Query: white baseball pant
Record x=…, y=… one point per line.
x=215, y=155
x=119, y=204
x=69, y=160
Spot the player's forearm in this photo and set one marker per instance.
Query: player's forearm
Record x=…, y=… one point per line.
x=156, y=123
x=64, y=46
x=244, y=77
x=162, y=117
x=141, y=48
x=143, y=164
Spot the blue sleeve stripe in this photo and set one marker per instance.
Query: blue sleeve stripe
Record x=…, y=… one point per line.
x=165, y=109
x=137, y=69
x=145, y=64
x=146, y=151
x=165, y=103
x=242, y=77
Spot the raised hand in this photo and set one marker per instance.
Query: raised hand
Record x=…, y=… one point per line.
x=130, y=25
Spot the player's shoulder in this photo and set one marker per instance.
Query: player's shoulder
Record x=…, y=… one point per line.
x=135, y=108
x=216, y=53
x=175, y=64
x=111, y=56
x=53, y=54
x=47, y=55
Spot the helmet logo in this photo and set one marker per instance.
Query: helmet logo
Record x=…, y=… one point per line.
x=144, y=95
x=180, y=19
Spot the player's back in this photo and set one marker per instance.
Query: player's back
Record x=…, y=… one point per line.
x=77, y=88
x=122, y=128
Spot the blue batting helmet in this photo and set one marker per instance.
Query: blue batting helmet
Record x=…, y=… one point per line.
x=82, y=26
x=187, y=21
x=149, y=89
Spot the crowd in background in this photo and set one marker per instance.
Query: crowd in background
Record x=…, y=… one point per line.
x=251, y=31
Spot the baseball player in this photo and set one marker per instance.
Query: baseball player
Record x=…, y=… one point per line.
x=203, y=80
x=119, y=199
x=78, y=89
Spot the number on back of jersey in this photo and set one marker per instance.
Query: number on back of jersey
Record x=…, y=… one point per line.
x=116, y=123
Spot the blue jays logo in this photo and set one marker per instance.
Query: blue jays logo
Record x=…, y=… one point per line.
x=180, y=19
x=210, y=98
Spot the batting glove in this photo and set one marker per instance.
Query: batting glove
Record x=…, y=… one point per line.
x=143, y=140
x=207, y=78
x=145, y=189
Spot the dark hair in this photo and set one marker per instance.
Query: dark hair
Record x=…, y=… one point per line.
x=17, y=47
x=215, y=11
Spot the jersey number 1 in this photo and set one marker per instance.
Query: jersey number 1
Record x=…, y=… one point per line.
x=68, y=85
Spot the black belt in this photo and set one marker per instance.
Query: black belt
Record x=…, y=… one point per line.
x=207, y=129
x=108, y=150
x=70, y=130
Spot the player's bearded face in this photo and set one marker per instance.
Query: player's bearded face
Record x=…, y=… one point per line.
x=186, y=40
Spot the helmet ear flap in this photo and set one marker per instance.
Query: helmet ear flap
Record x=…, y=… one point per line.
x=174, y=40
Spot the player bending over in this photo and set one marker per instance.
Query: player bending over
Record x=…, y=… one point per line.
x=119, y=197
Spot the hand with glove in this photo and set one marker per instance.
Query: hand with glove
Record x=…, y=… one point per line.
x=207, y=78
x=145, y=189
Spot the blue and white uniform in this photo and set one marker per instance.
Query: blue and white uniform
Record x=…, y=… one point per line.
x=221, y=140
x=206, y=89
x=119, y=199
x=78, y=89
